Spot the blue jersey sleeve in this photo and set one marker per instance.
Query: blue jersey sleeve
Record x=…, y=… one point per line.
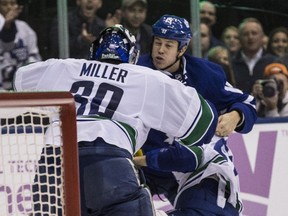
x=176, y=157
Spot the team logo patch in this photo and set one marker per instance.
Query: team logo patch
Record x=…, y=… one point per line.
x=169, y=20
x=163, y=31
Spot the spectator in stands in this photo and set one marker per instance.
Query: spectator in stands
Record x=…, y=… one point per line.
x=230, y=37
x=208, y=16
x=133, y=18
x=271, y=93
x=250, y=61
x=208, y=12
x=83, y=26
x=205, y=39
x=278, y=41
x=221, y=56
x=18, y=42
x=278, y=45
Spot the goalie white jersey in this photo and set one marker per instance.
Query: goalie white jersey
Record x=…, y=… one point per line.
x=136, y=98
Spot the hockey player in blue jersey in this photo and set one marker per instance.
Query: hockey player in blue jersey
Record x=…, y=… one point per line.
x=162, y=154
x=116, y=105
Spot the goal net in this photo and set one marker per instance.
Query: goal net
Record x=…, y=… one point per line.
x=38, y=154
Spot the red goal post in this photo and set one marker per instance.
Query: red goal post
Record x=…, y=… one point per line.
x=25, y=118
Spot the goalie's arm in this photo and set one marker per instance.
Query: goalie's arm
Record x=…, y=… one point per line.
x=179, y=111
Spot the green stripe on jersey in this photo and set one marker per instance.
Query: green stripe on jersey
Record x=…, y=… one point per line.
x=198, y=152
x=218, y=159
x=127, y=129
x=204, y=122
x=130, y=132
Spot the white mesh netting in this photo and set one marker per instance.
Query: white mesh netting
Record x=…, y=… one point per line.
x=28, y=185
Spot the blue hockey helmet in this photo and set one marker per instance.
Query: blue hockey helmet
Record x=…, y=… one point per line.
x=174, y=28
x=115, y=43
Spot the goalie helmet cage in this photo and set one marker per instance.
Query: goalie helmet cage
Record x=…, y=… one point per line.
x=63, y=103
